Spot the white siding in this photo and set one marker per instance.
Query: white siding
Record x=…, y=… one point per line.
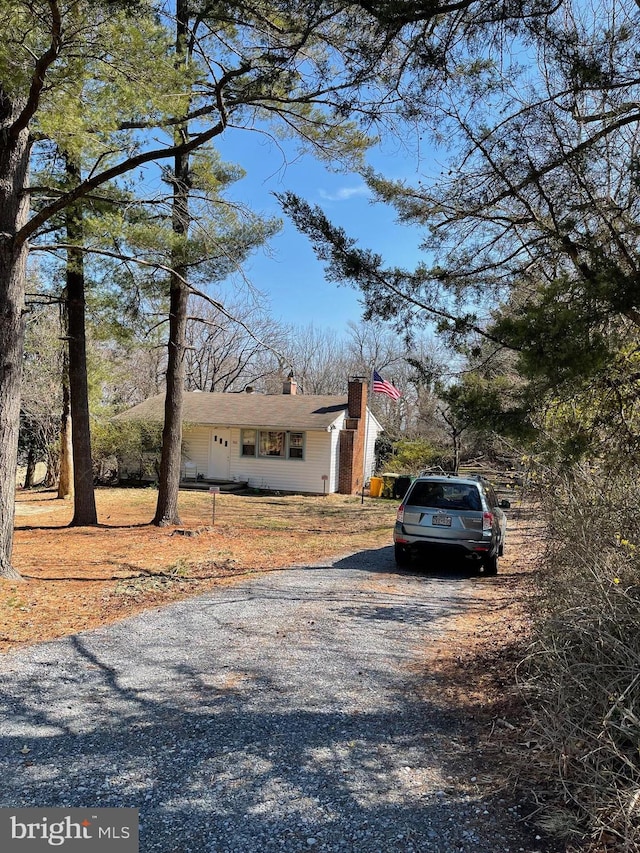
x=373, y=431
x=290, y=475
x=196, y=447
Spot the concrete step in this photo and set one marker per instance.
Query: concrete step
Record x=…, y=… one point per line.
x=227, y=486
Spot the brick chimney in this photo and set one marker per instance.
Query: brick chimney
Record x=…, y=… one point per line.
x=357, y=397
x=290, y=386
x=353, y=438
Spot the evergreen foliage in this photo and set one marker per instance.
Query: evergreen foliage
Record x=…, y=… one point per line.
x=530, y=230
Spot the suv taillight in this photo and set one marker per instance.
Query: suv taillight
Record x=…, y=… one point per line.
x=487, y=520
x=400, y=514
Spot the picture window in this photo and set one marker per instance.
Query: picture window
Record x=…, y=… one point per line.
x=272, y=444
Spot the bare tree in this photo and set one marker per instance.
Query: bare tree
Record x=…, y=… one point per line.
x=316, y=357
x=223, y=355
x=41, y=405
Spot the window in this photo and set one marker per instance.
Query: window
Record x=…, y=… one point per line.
x=272, y=443
x=296, y=445
x=248, y=442
x=445, y=495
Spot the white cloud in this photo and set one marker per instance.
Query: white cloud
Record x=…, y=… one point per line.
x=345, y=193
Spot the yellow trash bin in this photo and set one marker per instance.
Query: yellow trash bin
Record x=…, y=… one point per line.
x=375, y=487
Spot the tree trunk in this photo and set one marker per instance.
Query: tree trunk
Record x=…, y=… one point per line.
x=457, y=450
x=52, y=473
x=167, y=511
x=84, y=495
x=14, y=206
x=65, y=481
x=31, y=468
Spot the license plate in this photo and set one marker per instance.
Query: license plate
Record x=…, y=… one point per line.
x=441, y=521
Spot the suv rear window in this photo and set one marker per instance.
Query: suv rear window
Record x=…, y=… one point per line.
x=444, y=495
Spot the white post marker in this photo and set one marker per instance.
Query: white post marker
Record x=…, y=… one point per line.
x=213, y=491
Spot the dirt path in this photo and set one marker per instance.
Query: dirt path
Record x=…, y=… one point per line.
x=317, y=708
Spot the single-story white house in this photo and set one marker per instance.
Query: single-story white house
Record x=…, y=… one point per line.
x=287, y=442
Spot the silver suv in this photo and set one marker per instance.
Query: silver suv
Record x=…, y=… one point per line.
x=453, y=514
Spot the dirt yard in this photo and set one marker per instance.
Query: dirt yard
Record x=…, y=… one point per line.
x=81, y=577
x=76, y=578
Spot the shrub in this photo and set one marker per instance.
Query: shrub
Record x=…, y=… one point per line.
x=582, y=677
x=412, y=455
x=125, y=445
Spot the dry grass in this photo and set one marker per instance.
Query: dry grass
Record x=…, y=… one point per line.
x=78, y=578
x=583, y=672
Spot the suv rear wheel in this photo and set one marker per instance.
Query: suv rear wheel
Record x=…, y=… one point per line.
x=402, y=555
x=490, y=565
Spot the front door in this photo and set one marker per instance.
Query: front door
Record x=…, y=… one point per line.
x=219, y=454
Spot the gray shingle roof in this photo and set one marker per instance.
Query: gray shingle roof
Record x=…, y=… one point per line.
x=285, y=411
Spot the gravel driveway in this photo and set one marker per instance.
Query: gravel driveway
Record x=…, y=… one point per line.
x=277, y=714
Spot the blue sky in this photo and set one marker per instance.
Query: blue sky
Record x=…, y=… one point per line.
x=289, y=274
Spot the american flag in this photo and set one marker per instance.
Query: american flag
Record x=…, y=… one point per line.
x=381, y=386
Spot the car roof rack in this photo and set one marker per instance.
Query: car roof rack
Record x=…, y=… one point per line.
x=440, y=472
